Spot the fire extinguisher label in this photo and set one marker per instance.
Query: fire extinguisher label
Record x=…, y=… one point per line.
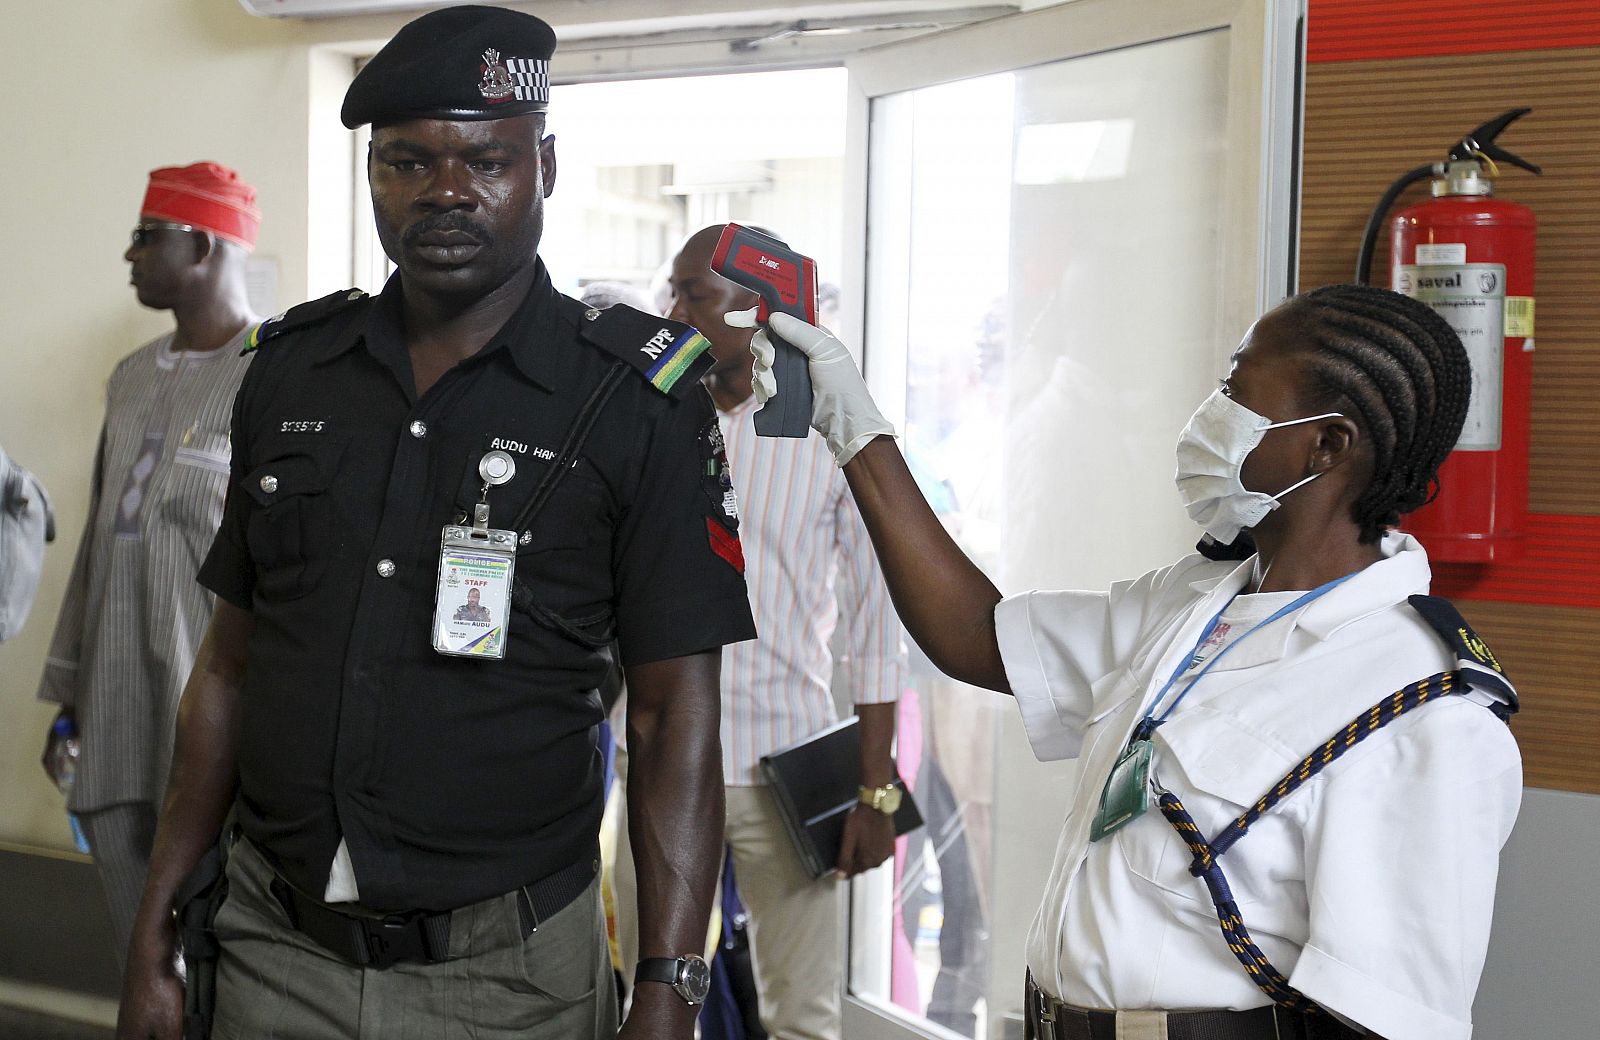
x=1519, y=319
x=1441, y=252
x=1472, y=298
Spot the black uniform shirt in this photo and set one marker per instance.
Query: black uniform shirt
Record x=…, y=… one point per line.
x=454, y=779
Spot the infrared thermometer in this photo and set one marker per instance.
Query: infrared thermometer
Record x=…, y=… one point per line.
x=786, y=281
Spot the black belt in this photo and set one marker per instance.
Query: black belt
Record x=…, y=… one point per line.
x=382, y=940
x=1050, y=1019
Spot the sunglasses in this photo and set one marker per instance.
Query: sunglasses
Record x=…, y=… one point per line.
x=145, y=228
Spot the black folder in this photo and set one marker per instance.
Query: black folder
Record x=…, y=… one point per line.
x=817, y=782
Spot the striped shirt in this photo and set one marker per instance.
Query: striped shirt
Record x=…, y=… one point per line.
x=133, y=616
x=808, y=565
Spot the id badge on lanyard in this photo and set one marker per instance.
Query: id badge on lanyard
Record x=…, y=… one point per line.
x=472, y=597
x=1126, y=794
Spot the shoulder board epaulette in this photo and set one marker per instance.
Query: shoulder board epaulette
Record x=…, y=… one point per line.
x=1478, y=665
x=1236, y=551
x=299, y=317
x=670, y=355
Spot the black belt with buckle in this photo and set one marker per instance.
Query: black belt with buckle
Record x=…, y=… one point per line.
x=1050, y=1019
x=383, y=940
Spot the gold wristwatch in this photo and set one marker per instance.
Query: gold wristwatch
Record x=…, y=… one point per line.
x=885, y=799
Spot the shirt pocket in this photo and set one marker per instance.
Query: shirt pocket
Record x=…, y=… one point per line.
x=293, y=529
x=1110, y=692
x=1114, y=702
x=209, y=450
x=564, y=577
x=196, y=485
x=1261, y=868
x=570, y=518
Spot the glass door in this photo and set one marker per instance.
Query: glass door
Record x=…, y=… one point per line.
x=1071, y=216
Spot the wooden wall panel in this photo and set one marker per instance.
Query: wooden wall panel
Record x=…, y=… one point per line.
x=1549, y=653
x=1369, y=121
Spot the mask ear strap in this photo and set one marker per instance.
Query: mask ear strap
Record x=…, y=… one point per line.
x=1309, y=418
x=1279, y=496
x=1295, y=422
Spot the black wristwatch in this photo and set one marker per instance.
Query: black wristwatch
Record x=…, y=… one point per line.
x=689, y=975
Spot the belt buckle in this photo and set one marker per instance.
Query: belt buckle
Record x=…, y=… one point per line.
x=394, y=938
x=385, y=940
x=1044, y=1014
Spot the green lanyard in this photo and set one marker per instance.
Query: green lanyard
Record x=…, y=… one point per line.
x=1126, y=795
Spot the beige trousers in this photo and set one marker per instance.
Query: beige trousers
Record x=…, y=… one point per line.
x=796, y=924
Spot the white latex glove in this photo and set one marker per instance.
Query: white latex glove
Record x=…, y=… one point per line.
x=841, y=408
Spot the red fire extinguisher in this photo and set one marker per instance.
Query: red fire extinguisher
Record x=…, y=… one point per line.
x=1470, y=256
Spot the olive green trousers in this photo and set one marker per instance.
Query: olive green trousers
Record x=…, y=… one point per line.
x=273, y=983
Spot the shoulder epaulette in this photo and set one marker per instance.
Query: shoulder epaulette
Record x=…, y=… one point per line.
x=1237, y=551
x=299, y=317
x=1478, y=665
x=670, y=355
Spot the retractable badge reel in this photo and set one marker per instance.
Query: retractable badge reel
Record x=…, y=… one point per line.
x=472, y=599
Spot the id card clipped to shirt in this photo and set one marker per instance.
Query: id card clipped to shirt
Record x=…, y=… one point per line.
x=472, y=599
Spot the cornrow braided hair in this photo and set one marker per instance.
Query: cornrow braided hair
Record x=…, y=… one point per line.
x=1403, y=373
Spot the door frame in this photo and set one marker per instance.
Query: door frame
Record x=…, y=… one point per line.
x=1260, y=210
x=1262, y=142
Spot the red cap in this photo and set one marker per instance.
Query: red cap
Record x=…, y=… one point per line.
x=206, y=195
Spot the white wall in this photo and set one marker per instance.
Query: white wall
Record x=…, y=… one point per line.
x=97, y=95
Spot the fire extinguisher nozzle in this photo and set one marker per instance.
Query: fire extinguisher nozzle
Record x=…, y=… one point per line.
x=1480, y=142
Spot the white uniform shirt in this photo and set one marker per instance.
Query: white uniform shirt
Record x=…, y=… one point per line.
x=1371, y=887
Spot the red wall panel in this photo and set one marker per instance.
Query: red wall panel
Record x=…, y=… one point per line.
x=1562, y=567
x=1363, y=30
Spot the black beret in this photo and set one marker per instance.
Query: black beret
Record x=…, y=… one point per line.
x=459, y=63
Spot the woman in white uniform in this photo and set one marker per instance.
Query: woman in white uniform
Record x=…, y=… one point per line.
x=1356, y=898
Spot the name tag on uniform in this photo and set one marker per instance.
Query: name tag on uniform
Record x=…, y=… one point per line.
x=472, y=600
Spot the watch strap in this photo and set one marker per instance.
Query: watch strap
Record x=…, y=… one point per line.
x=657, y=969
x=874, y=797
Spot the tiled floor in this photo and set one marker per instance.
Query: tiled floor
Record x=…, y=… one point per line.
x=57, y=932
x=16, y=1024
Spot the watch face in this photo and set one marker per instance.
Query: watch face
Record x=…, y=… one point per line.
x=694, y=979
x=891, y=801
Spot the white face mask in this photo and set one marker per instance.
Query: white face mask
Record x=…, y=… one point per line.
x=1211, y=453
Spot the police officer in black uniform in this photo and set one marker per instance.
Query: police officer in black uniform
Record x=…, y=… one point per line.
x=418, y=803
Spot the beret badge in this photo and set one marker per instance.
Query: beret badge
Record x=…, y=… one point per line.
x=495, y=83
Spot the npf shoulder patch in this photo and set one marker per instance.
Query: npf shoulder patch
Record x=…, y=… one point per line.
x=670, y=355
x=300, y=317
x=1478, y=665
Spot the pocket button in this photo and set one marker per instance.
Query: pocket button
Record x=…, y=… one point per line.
x=269, y=483
x=385, y=568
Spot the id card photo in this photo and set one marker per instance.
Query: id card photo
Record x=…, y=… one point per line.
x=472, y=602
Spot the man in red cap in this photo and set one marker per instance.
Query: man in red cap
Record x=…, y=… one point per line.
x=133, y=615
